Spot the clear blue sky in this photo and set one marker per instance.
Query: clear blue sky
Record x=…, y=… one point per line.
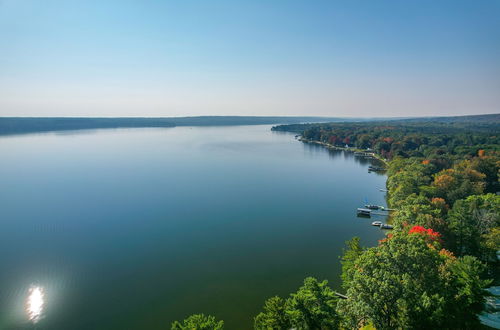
x=179, y=58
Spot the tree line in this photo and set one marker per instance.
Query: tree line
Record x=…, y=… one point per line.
x=431, y=271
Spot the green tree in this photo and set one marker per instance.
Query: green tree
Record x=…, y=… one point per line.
x=351, y=253
x=403, y=182
x=417, y=210
x=489, y=166
x=409, y=282
x=465, y=290
x=313, y=306
x=492, y=239
x=471, y=222
x=198, y=322
x=274, y=315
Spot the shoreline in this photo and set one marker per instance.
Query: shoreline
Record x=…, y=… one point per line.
x=353, y=150
x=349, y=149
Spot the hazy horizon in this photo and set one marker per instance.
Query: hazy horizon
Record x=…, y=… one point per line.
x=270, y=116
x=232, y=58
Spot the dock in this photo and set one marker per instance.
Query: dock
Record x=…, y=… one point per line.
x=378, y=207
x=364, y=154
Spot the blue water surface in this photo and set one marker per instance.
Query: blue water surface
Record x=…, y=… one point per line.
x=134, y=228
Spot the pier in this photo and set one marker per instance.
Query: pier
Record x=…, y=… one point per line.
x=364, y=154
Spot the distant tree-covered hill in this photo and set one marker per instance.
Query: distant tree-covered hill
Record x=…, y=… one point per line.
x=426, y=125
x=21, y=125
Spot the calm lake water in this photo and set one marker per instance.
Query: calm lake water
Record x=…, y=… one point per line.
x=134, y=228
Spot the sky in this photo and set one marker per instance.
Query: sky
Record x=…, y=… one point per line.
x=350, y=58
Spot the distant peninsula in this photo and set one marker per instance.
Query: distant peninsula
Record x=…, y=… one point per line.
x=24, y=125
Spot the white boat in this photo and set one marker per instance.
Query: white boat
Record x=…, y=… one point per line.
x=377, y=223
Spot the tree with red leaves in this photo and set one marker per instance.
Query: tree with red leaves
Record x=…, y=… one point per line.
x=423, y=231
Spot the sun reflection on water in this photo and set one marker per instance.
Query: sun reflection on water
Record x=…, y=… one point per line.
x=34, y=303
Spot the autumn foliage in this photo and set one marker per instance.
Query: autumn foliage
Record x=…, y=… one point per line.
x=424, y=231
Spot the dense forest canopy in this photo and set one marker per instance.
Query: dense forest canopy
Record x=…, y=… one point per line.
x=407, y=138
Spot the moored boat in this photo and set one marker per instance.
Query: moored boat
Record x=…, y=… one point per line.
x=364, y=212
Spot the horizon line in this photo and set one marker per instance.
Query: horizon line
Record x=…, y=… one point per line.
x=265, y=116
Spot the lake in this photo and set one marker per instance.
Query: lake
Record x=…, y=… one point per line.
x=134, y=228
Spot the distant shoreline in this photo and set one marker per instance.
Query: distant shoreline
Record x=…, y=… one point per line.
x=27, y=125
